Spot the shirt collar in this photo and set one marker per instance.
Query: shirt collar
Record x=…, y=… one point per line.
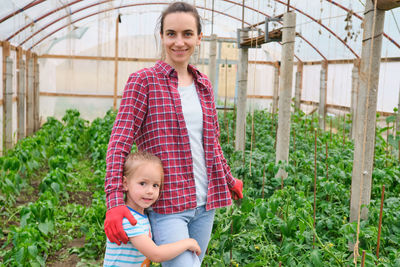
x=168, y=70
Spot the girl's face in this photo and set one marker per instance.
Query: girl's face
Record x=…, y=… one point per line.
x=143, y=186
x=179, y=38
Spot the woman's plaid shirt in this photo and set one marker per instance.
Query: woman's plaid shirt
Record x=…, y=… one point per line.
x=150, y=114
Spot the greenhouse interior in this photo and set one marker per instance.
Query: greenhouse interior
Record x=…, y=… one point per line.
x=307, y=101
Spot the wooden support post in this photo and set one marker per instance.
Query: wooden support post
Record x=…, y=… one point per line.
x=240, y=139
x=298, y=86
x=212, y=67
x=322, y=95
x=116, y=62
x=8, y=105
x=21, y=95
x=366, y=113
x=29, y=96
x=285, y=90
x=354, y=93
x=6, y=53
x=36, y=95
x=276, y=88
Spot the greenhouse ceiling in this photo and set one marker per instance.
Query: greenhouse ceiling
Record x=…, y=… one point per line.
x=326, y=29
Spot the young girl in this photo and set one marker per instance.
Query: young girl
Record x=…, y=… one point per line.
x=142, y=180
x=169, y=110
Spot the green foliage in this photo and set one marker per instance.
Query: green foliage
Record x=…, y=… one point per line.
x=279, y=227
x=271, y=225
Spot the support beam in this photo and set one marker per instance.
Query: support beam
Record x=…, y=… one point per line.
x=8, y=106
x=322, y=95
x=387, y=4
x=240, y=140
x=30, y=97
x=275, y=96
x=298, y=86
x=21, y=98
x=355, y=74
x=212, y=67
x=366, y=112
x=285, y=90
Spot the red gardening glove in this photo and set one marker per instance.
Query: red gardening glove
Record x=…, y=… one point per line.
x=237, y=190
x=113, y=224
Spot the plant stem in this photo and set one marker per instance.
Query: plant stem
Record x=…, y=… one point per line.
x=321, y=244
x=363, y=258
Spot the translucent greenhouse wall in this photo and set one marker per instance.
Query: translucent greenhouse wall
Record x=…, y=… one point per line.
x=97, y=78
x=88, y=85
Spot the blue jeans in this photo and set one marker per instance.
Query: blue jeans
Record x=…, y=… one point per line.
x=195, y=223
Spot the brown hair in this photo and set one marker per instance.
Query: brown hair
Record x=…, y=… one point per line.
x=180, y=7
x=133, y=160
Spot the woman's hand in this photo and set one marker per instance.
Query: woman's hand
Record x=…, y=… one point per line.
x=237, y=190
x=113, y=224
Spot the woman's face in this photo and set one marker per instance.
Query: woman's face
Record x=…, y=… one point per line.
x=179, y=38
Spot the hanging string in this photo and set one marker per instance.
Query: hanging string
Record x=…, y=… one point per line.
x=355, y=251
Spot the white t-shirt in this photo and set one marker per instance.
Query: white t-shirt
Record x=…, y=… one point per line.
x=193, y=115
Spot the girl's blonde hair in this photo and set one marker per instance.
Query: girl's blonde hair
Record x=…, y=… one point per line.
x=133, y=161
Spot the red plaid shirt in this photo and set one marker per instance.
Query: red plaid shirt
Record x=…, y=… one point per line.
x=150, y=114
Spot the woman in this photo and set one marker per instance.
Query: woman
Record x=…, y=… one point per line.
x=169, y=110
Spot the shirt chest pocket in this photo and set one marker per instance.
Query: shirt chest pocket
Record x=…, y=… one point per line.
x=162, y=116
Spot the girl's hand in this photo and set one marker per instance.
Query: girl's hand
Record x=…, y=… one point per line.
x=193, y=246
